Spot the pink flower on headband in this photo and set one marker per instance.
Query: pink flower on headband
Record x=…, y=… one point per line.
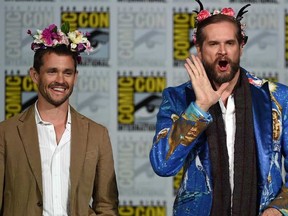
x=228, y=12
x=52, y=36
x=202, y=15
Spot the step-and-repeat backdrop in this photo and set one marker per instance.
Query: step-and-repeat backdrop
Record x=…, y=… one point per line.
x=140, y=48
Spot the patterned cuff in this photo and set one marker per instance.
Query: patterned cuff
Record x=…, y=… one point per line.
x=194, y=112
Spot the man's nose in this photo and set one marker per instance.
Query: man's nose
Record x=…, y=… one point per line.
x=222, y=49
x=60, y=77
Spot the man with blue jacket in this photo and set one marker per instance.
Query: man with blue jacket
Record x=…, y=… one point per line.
x=225, y=127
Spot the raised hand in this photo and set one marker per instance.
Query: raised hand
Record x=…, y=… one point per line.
x=206, y=96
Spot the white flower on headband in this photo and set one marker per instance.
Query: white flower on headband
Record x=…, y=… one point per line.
x=52, y=37
x=216, y=12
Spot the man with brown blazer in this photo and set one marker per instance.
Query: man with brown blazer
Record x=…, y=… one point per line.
x=53, y=160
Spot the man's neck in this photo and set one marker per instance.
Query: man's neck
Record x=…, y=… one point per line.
x=53, y=114
x=229, y=90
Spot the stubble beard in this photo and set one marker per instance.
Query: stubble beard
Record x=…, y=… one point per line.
x=48, y=97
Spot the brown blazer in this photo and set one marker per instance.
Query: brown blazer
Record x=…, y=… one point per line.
x=92, y=172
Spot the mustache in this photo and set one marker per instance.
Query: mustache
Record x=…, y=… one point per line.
x=56, y=84
x=225, y=58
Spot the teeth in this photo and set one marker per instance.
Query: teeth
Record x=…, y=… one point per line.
x=58, y=89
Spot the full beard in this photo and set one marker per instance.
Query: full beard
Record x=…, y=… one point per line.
x=223, y=77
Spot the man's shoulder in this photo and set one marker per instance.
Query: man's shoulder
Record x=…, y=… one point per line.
x=260, y=81
x=17, y=117
x=278, y=90
x=178, y=89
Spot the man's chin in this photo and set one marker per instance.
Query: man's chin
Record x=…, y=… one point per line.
x=223, y=79
x=57, y=103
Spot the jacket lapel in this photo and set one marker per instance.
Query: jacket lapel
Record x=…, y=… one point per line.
x=262, y=119
x=79, y=133
x=29, y=137
x=262, y=127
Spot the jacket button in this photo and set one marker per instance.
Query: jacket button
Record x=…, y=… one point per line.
x=39, y=204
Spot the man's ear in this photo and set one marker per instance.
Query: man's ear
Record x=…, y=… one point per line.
x=199, y=53
x=34, y=75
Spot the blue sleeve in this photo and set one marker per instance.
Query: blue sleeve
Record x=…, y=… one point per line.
x=177, y=129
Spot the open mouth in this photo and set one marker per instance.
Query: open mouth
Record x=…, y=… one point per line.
x=58, y=89
x=223, y=64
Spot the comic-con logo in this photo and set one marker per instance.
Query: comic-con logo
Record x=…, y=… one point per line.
x=139, y=98
x=286, y=38
x=95, y=21
x=141, y=37
x=17, y=43
x=20, y=93
x=135, y=174
x=263, y=29
x=91, y=95
x=130, y=209
x=183, y=28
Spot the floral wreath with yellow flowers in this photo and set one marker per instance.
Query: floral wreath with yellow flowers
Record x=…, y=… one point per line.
x=204, y=14
x=52, y=36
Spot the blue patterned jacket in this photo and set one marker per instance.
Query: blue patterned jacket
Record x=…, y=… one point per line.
x=188, y=148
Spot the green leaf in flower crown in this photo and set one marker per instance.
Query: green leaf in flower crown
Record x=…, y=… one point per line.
x=65, y=27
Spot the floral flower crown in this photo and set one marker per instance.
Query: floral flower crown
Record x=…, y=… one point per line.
x=53, y=37
x=204, y=14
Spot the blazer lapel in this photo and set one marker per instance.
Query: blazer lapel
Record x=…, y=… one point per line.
x=79, y=132
x=262, y=127
x=29, y=137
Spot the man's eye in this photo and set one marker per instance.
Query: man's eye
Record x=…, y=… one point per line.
x=68, y=73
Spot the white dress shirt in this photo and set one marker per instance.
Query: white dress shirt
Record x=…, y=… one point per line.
x=229, y=118
x=55, y=164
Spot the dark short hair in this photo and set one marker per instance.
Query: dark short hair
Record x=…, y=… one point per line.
x=200, y=36
x=59, y=50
